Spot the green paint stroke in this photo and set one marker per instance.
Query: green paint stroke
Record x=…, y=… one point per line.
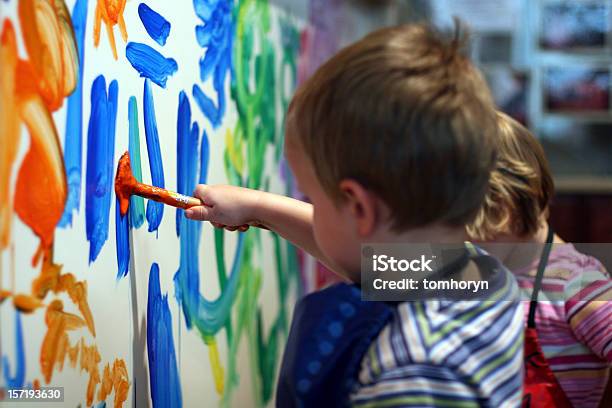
x=256, y=97
x=137, y=209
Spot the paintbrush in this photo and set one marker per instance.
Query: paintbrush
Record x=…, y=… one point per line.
x=126, y=185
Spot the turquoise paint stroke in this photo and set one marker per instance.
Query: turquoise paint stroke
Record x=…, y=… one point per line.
x=208, y=317
x=163, y=373
x=100, y=163
x=156, y=25
x=17, y=380
x=149, y=63
x=155, y=210
x=73, y=138
x=137, y=209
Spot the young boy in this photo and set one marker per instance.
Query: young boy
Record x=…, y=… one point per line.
x=392, y=140
x=572, y=320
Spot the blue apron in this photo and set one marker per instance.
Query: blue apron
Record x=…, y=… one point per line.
x=331, y=331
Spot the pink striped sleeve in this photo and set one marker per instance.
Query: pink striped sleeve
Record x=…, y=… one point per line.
x=589, y=311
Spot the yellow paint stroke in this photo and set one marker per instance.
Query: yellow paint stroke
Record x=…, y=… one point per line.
x=49, y=40
x=217, y=368
x=234, y=150
x=111, y=12
x=9, y=127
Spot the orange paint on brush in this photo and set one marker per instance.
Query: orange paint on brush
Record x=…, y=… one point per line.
x=49, y=40
x=9, y=126
x=111, y=12
x=126, y=185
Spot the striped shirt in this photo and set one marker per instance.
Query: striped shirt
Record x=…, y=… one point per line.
x=574, y=321
x=448, y=353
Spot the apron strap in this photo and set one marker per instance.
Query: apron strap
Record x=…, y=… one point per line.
x=539, y=276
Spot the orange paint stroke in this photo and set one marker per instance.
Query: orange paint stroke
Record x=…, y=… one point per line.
x=49, y=40
x=4, y=294
x=116, y=379
x=111, y=12
x=40, y=194
x=77, y=291
x=9, y=126
x=26, y=303
x=55, y=342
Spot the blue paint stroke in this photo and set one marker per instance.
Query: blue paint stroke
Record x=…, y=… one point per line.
x=204, y=158
x=122, y=230
x=156, y=25
x=136, y=209
x=73, y=138
x=216, y=35
x=155, y=210
x=150, y=63
x=163, y=373
x=101, y=404
x=207, y=316
x=100, y=163
x=184, y=131
x=16, y=381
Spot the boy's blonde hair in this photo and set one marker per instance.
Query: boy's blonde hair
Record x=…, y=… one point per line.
x=407, y=115
x=520, y=187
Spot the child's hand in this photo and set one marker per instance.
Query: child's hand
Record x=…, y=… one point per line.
x=225, y=206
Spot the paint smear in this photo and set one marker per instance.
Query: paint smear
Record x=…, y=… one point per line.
x=100, y=163
x=49, y=39
x=155, y=210
x=156, y=25
x=122, y=229
x=137, y=211
x=9, y=127
x=216, y=35
x=184, y=132
x=207, y=316
x=208, y=107
x=163, y=373
x=149, y=63
x=42, y=168
x=17, y=380
x=73, y=138
x=111, y=12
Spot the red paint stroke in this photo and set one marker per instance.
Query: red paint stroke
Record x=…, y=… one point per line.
x=111, y=12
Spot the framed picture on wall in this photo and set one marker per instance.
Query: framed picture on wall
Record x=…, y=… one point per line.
x=576, y=89
x=574, y=24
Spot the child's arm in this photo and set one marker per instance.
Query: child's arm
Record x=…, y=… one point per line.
x=234, y=207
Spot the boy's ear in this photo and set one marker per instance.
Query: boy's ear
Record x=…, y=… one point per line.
x=362, y=204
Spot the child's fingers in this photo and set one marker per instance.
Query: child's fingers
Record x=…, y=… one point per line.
x=243, y=228
x=200, y=213
x=217, y=225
